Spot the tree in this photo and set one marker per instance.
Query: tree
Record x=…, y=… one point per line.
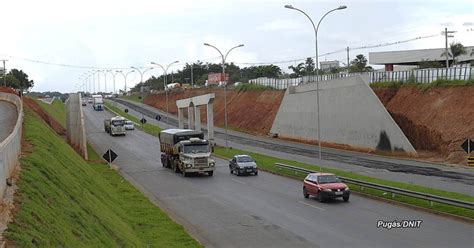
x=359, y=64
x=456, y=49
x=17, y=79
x=429, y=64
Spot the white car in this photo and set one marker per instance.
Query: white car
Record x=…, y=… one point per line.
x=129, y=125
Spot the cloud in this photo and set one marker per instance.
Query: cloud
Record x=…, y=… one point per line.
x=280, y=25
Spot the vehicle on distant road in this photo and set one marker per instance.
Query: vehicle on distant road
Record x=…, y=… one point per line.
x=325, y=186
x=115, y=126
x=84, y=102
x=90, y=100
x=243, y=164
x=186, y=151
x=129, y=125
x=98, y=102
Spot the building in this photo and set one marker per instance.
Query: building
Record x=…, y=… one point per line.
x=415, y=57
x=328, y=65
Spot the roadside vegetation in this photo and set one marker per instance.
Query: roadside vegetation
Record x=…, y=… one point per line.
x=147, y=128
x=57, y=110
x=64, y=201
x=423, y=86
x=134, y=97
x=267, y=163
x=251, y=87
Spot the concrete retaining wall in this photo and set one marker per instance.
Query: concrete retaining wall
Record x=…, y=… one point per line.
x=75, y=129
x=10, y=148
x=350, y=113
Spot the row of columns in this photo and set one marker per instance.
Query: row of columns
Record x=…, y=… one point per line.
x=193, y=106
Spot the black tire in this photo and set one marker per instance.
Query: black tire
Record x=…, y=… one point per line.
x=176, y=169
x=319, y=198
x=230, y=169
x=345, y=198
x=185, y=174
x=305, y=193
x=239, y=173
x=256, y=173
x=210, y=173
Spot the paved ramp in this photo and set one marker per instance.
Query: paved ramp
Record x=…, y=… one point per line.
x=8, y=117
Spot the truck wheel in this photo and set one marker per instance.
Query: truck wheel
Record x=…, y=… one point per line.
x=210, y=173
x=185, y=174
x=176, y=169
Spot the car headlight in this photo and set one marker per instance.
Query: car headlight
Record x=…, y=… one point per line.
x=188, y=165
x=212, y=164
x=347, y=188
x=327, y=190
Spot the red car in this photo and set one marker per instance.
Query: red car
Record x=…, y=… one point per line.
x=325, y=186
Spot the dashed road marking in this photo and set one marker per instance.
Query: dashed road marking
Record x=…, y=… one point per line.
x=309, y=205
x=235, y=180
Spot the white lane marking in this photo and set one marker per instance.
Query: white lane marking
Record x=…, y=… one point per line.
x=309, y=205
x=235, y=180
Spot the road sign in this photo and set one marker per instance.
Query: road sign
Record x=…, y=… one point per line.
x=468, y=146
x=470, y=161
x=109, y=156
x=158, y=117
x=143, y=120
x=126, y=110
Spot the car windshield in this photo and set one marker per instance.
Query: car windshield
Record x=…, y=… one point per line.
x=118, y=123
x=202, y=148
x=129, y=123
x=328, y=179
x=244, y=159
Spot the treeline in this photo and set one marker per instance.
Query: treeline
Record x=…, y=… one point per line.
x=237, y=74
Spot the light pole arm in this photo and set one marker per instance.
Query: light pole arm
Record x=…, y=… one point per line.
x=317, y=28
x=222, y=55
x=225, y=58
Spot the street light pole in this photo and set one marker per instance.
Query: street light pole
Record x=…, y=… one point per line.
x=316, y=28
x=165, y=71
x=141, y=79
x=125, y=79
x=225, y=84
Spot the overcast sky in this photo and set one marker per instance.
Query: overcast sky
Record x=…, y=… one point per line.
x=120, y=34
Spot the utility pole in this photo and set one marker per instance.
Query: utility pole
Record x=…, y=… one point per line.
x=4, y=73
x=347, y=59
x=192, y=81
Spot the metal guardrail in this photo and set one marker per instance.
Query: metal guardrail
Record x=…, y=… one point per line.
x=392, y=190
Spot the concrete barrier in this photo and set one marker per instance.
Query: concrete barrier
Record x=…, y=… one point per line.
x=75, y=128
x=10, y=148
x=350, y=114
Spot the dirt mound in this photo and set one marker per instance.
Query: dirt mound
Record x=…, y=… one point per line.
x=248, y=111
x=8, y=90
x=31, y=104
x=437, y=120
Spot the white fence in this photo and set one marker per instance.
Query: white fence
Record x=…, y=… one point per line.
x=418, y=76
x=10, y=148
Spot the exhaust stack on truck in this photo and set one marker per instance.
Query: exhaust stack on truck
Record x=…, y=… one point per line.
x=186, y=151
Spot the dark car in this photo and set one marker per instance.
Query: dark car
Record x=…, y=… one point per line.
x=325, y=186
x=243, y=164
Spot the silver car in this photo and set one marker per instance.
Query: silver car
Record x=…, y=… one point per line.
x=129, y=125
x=243, y=164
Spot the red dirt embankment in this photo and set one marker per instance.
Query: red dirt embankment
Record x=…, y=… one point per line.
x=436, y=121
x=249, y=111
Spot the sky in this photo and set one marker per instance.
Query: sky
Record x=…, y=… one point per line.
x=87, y=34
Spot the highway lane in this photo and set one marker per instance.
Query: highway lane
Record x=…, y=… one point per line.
x=265, y=210
x=8, y=116
x=449, y=178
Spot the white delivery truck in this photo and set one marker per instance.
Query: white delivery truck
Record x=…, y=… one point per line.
x=97, y=102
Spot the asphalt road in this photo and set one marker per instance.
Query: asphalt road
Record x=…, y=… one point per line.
x=8, y=116
x=265, y=210
x=450, y=178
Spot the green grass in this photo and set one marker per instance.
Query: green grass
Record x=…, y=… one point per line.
x=57, y=110
x=64, y=201
x=251, y=87
x=147, y=128
x=268, y=163
x=134, y=98
x=423, y=87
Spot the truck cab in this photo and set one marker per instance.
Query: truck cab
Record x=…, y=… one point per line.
x=115, y=126
x=186, y=151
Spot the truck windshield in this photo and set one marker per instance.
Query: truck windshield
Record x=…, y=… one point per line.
x=118, y=123
x=204, y=148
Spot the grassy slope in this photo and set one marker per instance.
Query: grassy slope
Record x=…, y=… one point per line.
x=57, y=110
x=65, y=201
x=268, y=163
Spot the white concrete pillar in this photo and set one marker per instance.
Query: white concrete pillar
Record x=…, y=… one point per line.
x=190, y=117
x=197, y=118
x=210, y=122
x=181, y=118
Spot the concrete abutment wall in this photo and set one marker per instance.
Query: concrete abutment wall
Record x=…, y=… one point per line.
x=75, y=129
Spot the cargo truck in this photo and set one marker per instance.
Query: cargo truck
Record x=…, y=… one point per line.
x=186, y=151
x=115, y=126
x=97, y=102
